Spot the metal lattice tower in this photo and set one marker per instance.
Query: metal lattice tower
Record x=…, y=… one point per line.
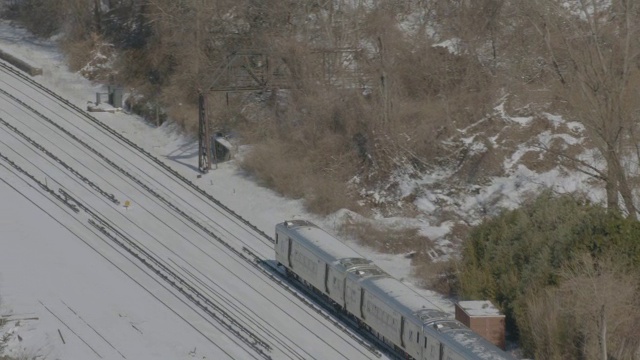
x=204, y=140
x=253, y=70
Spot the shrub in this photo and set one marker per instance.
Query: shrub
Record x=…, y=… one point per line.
x=387, y=239
x=439, y=276
x=43, y=18
x=300, y=174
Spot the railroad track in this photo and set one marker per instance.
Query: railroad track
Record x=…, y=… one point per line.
x=220, y=208
x=144, y=256
x=321, y=306
x=64, y=202
x=159, y=267
x=156, y=265
x=128, y=142
x=109, y=231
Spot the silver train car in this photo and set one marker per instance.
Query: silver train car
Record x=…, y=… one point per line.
x=391, y=310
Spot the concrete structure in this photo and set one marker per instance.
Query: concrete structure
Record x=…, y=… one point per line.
x=483, y=318
x=222, y=150
x=20, y=64
x=115, y=96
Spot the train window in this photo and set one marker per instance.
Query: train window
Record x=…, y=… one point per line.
x=276, y=238
x=418, y=338
x=425, y=342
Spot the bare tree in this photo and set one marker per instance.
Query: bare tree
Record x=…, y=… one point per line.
x=602, y=298
x=593, y=47
x=547, y=332
x=592, y=314
x=189, y=32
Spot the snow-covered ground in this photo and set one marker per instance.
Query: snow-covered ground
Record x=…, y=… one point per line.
x=51, y=280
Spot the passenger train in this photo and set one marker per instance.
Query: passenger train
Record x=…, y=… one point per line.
x=389, y=309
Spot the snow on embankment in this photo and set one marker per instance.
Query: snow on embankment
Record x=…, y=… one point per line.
x=496, y=163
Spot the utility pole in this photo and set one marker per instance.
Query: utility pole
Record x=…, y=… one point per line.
x=204, y=140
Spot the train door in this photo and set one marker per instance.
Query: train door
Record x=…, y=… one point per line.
x=362, y=303
x=289, y=245
x=433, y=350
x=336, y=284
x=352, y=297
x=411, y=339
x=417, y=344
x=402, y=342
x=344, y=292
x=326, y=279
x=283, y=247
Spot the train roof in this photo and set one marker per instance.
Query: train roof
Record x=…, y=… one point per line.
x=404, y=298
x=326, y=245
x=458, y=336
x=398, y=295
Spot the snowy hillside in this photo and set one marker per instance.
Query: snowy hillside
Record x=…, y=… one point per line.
x=502, y=160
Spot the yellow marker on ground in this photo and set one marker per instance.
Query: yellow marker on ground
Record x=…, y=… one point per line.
x=127, y=203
